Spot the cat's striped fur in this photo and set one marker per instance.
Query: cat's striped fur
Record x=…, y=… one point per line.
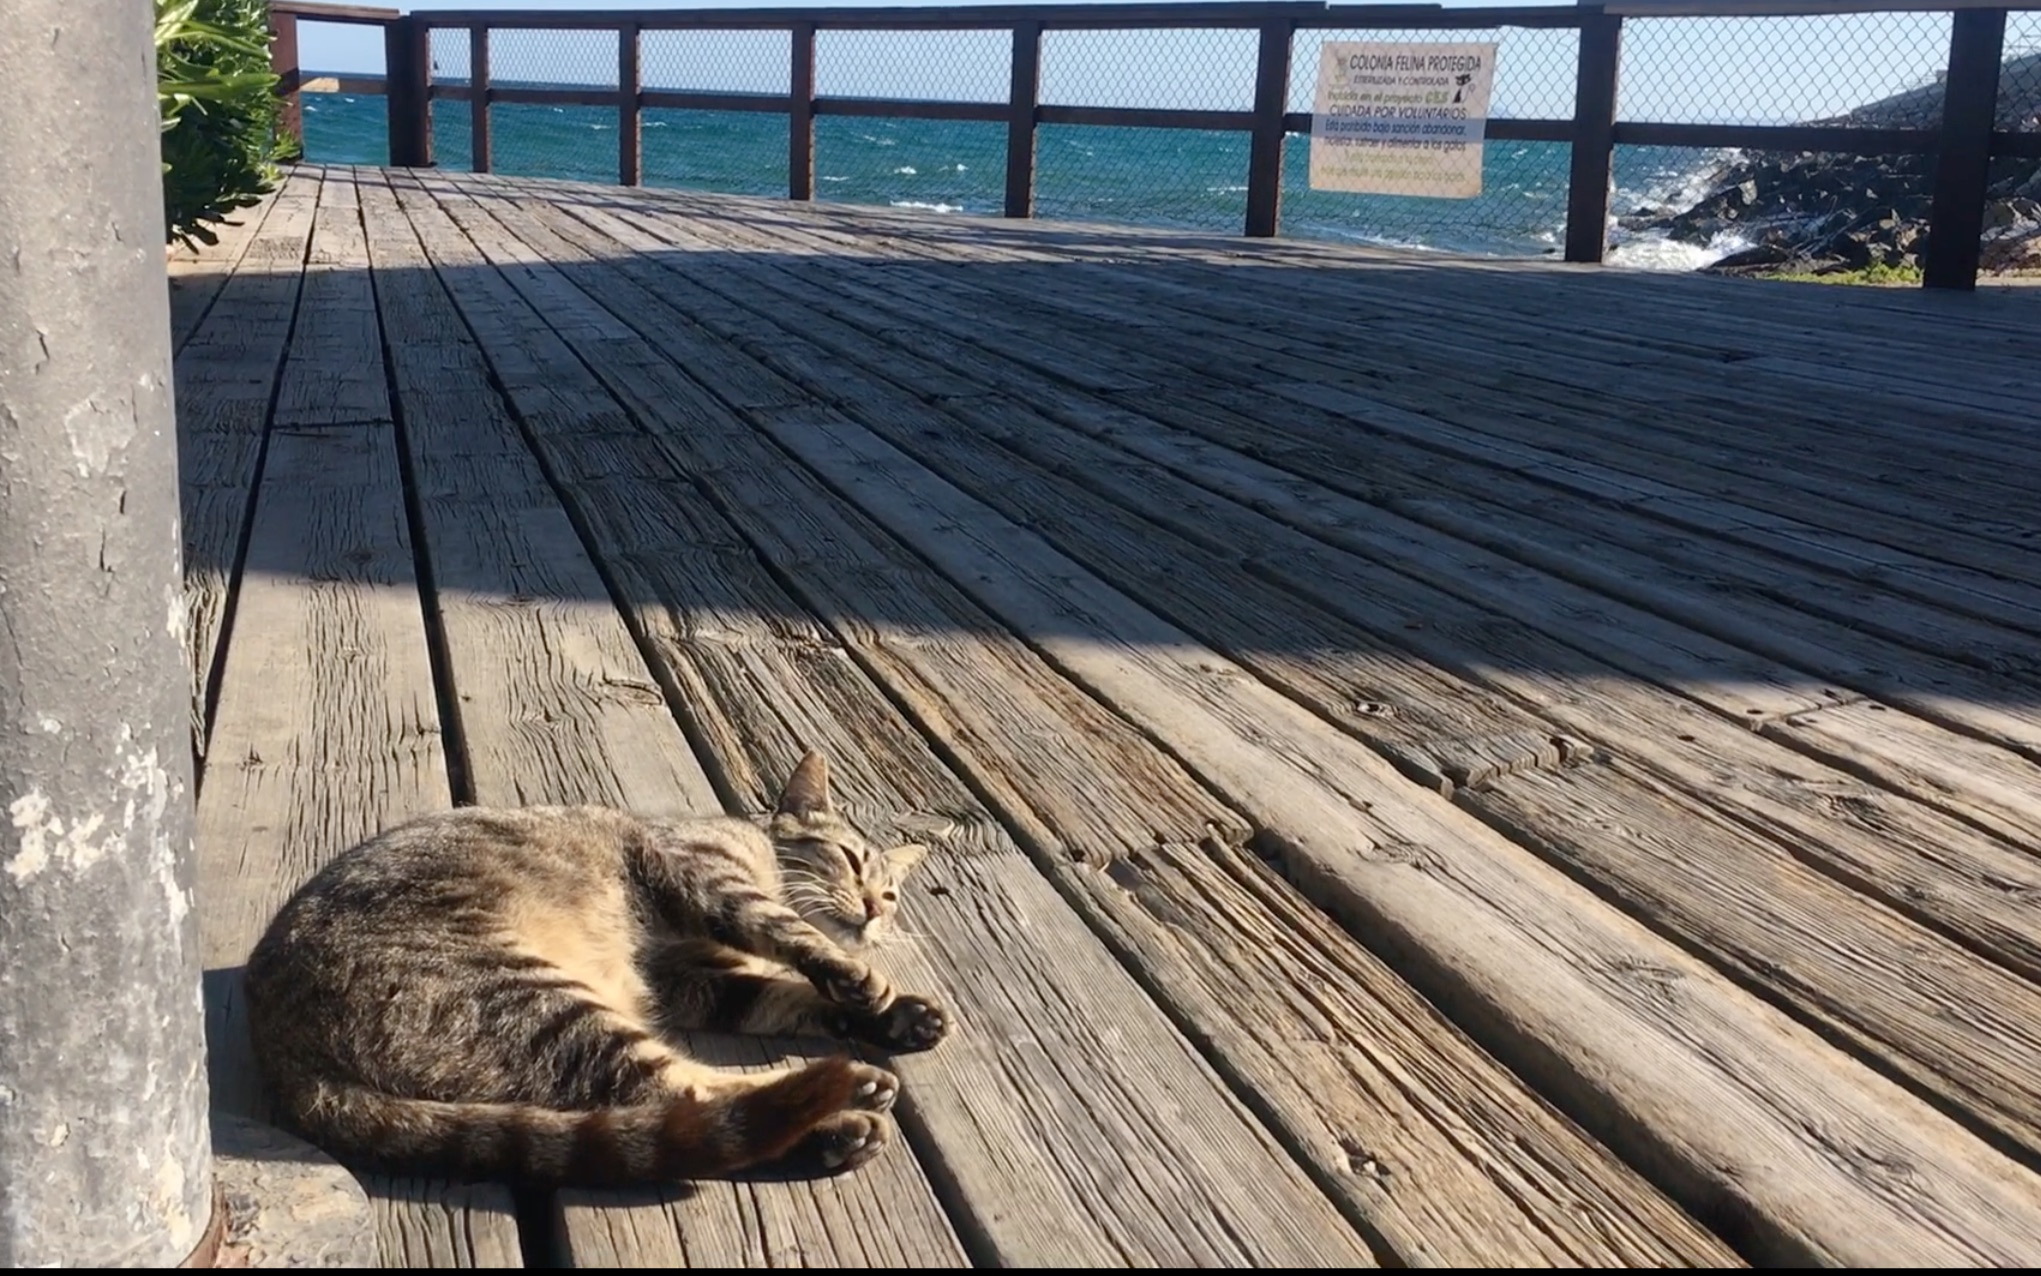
x=496, y=993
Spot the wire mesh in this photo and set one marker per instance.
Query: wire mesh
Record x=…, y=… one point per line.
x=1151, y=176
x=731, y=152
x=1865, y=70
x=936, y=66
x=940, y=165
x=2019, y=82
x=1521, y=207
x=577, y=142
x=2012, y=215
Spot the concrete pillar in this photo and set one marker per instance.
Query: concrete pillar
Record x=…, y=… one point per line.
x=105, y=1158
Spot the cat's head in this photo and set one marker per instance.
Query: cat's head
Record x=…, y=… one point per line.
x=834, y=877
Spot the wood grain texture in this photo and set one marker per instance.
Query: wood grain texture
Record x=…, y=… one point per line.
x=1332, y=518
x=1240, y=560
x=327, y=732
x=997, y=940
x=197, y=272
x=1822, y=971
x=226, y=373
x=1442, y=731
x=555, y=704
x=1083, y=789
x=1642, y=1048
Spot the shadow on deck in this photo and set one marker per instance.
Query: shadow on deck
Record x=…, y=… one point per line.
x=1433, y=761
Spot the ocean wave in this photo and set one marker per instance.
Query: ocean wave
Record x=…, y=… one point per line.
x=933, y=208
x=906, y=170
x=1651, y=251
x=835, y=179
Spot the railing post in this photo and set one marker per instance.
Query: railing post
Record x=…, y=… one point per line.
x=105, y=1156
x=801, y=114
x=1022, y=99
x=630, y=167
x=1963, y=162
x=1265, y=150
x=290, y=77
x=478, y=99
x=407, y=62
x=1594, y=134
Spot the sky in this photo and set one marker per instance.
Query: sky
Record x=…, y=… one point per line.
x=1735, y=70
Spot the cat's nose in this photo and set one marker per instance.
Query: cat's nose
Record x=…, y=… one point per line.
x=871, y=908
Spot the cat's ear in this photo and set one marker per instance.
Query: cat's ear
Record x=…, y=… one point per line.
x=901, y=859
x=807, y=790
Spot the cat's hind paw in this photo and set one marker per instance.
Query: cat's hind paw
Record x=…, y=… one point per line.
x=910, y=1023
x=875, y=1089
x=848, y=1140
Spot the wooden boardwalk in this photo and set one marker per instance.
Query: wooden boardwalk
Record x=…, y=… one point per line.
x=1432, y=761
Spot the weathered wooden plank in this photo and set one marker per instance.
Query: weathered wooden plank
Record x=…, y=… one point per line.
x=555, y=704
x=226, y=373
x=336, y=374
x=1255, y=437
x=327, y=731
x=1834, y=973
x=1467, y=380
x=1920, y=863
x=1146, y=302
x=1669, y=653
x=198, y=272
x=1651, y=1049
x=997, y=939
x=1037, y=745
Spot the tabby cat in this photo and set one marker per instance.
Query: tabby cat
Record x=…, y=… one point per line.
x=496, y=993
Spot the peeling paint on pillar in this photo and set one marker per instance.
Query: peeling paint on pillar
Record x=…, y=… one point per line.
x=105, y=1155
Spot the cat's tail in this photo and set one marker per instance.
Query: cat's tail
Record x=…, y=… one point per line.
x=672, y=1139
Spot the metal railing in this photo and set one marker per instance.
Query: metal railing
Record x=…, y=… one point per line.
x=1962, y=146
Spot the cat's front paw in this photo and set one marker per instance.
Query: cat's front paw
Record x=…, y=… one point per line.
x=910, y=1023
x=856, y=987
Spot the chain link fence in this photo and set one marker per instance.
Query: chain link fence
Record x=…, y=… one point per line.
x=1102, y=153
x=1185, y=177
x=1792, y=212
x=939, y=165
x=731, y=152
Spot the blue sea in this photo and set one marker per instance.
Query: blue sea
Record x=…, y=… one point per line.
x=1157, y=177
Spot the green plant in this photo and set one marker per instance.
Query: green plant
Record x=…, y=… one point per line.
x=220, y=114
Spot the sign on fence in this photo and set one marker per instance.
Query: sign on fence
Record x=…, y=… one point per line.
x=1401, y=119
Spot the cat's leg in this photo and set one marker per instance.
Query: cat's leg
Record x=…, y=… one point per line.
x=701, y=986
x=524, y=1065
x=702, y=891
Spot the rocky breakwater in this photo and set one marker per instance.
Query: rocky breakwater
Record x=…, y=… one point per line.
x=1822, y=213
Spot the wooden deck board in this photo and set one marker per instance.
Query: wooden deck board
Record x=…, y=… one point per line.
x=1083, y=790
x=556, y=705
x=226, y=375
x=1606, y=737
x=1014, y=953
x=1325, y=455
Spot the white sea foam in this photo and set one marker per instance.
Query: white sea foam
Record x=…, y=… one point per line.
x=906, y=170
x=835, y=179
x=1653, y=251
x=933, y=208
